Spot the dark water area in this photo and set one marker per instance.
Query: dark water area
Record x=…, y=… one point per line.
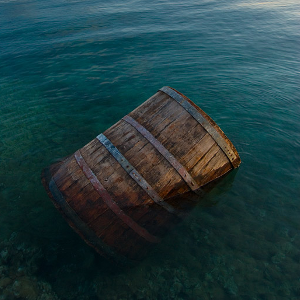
x=70, y=69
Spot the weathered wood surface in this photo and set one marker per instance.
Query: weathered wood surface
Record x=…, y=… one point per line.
x=134, y=219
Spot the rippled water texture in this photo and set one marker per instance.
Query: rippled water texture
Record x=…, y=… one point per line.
x=70, y=69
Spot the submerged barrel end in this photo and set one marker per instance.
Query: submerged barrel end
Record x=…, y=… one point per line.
x=46, y=177
x=74, y=220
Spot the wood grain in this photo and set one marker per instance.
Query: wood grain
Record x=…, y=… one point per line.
x=181, y=134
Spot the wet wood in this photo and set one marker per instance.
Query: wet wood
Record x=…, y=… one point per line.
x=189, y=143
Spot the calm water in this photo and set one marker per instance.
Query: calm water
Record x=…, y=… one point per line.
x=70, y=69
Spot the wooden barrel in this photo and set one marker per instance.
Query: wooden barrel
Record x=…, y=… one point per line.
x=120, y=191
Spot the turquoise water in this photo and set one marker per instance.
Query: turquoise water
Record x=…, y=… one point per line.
x=70, y=69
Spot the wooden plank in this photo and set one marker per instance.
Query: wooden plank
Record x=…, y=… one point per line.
x=96, y=155
x=181, y=142
x=193, y=138
x=118, y=140
x=104, y=167
x=197, y=114
x=156, y=115
x=125, y=194
x=110, y=180
x=106, y=197
x=143, y=153
x=86, y=202
x=80, y=194
x=130, y=143
x=186, y=135
x=67, y=175
x=164, y=152
x=135, y=175
x=149, y=162
x=121, y=130
x=169, y=186
x=78, y=225
x=126, y=242
x=195, y=171
x=150, y=106
x=119, y=236
x=124, y=142
x=216, y=167
x=91, y=147
x=222, y=170
x=197, y=151
x=155, y=122
x=60, y=172
x=174, y=131
x=142, y=212
x=101, y=224
x=75, y=188
x=110, y=173
x=151, y=120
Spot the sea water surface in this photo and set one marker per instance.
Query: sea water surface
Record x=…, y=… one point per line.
x=70, y=69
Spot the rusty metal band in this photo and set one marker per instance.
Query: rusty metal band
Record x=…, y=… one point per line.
x=202, y=120
x=105, y=196
x=89, y=236
x=134, y=173
x=181, y=170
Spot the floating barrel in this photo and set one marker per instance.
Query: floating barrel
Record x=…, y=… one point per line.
x=120, y=191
